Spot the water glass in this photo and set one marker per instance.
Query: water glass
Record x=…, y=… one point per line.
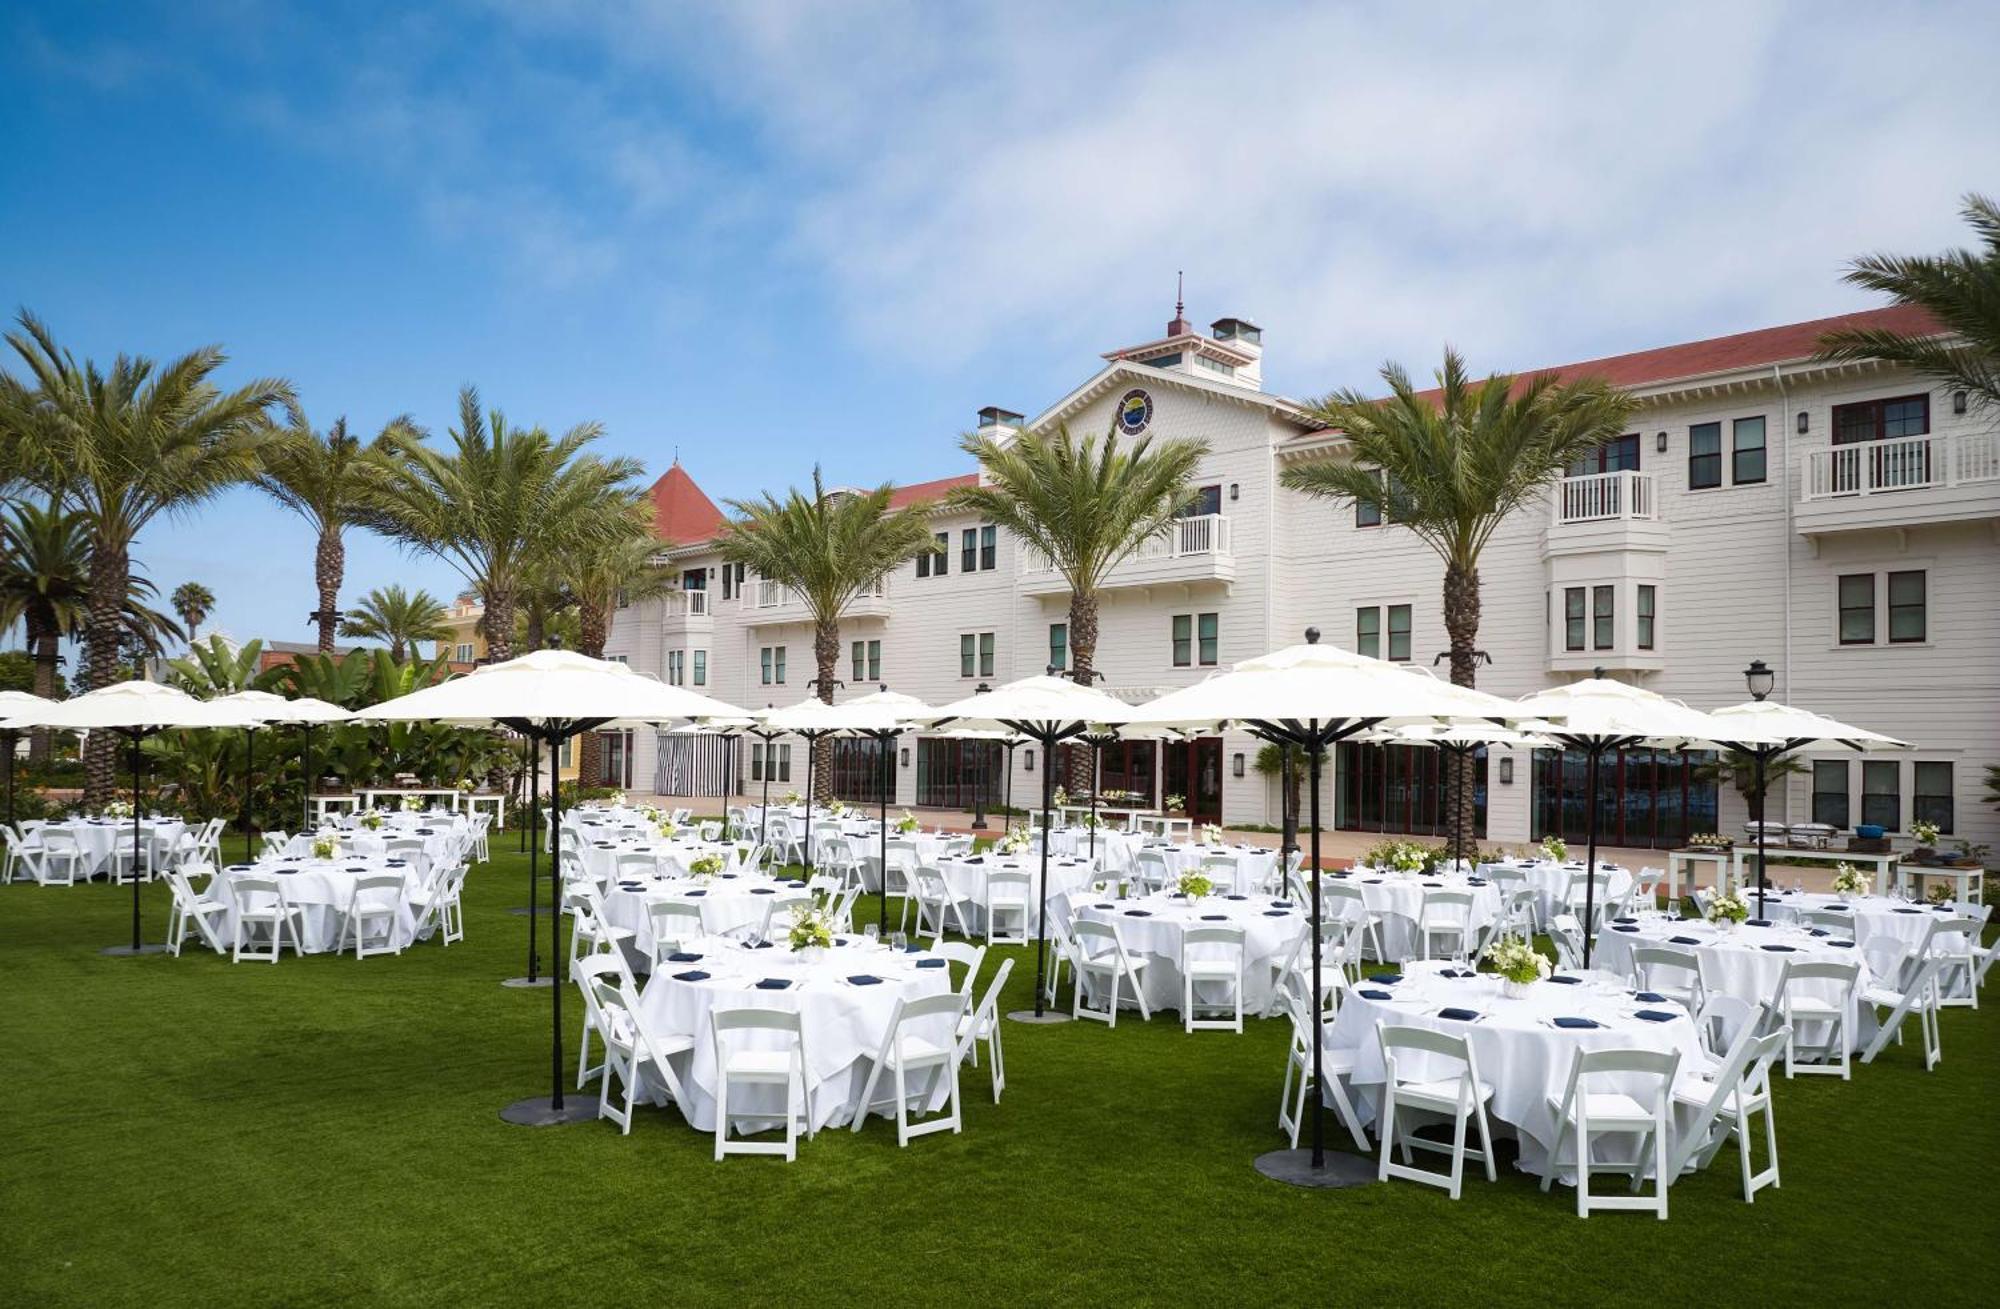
x=899, y=939
x=873, y=933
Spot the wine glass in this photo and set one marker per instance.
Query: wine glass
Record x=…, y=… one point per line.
x=873, y=933
x=899, y=939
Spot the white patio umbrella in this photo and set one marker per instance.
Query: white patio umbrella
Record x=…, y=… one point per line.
x=815, y=721
x=1048, y=710
x=274, y=709
x=1770, y=729
x=550, y=695
x=135, y=710
x=1461, y=742
x=16, y=702
x=1597, y=716
x=1011, y=741
x=893, y=713
x=1312, y=696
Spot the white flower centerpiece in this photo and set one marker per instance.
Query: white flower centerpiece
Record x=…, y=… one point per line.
x=1092, y=823
x=1404, y=857
x=1727, y=911
x=707, y=867
x=793, y=798
x=324, y=846
x=1211, y=834
x=372, y=820
x=1194, y=886
x=1554, y=849
x=908, y=823
x=837, y=808
x=1518, y=963
x=1015, y=842
x=651, y=813
x=1925, y=834
x=1174, y=804
x=668, y=831
x=1061, y=797
x=117, y=809
x=811, y=934
x=413, y=804
x=1849, y=881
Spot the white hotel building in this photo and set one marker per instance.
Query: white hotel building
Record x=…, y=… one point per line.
x=1840, y=522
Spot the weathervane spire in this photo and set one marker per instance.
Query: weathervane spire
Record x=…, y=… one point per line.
x=1179, y=326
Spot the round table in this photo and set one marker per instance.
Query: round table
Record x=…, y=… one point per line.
x=98, y=838
x=1114, y=849
x=1520, y=1051
x=1152, y=926
x=729, y=902
x=1871, y=915
x=1399, y=899
x=967, y=880
x=321, y=890
x=1550, y=882
x=845, y=1022
x=670, y=858
x=1745, y=962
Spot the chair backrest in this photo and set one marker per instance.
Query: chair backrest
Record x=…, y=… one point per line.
x=756, y=1020
x=960, y=952
x=1211, y=934
x=1008, y=879
x=1086, y=929
x=1646, y=958
x=1338, y=898
x=1723, y=1019
x=247, y=888
x=1457, y=905
x=989, y=1004
x=1812, y=970
x=596, y=965
x=367, y=882
x=1422, y=1040
x=674, y=921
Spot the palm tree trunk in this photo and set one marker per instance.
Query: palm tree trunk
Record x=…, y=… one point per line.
x=46, y=640
x=1461, y=623
x=591, y=632
x=1082, y=661
x=499, y=619
x=110, y=582
x=329, y=565
x=826, y=660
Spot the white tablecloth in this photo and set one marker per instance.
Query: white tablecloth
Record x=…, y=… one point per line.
x=1872, y=915
x=321, y=888
x=98, y=837
x=966, y=879
x=670, y=858
x=1519, y=1050
x=1114, y=849
x=728, y=903
x=1550, y=882
x=1745, y=963
x=1153, y=925
x=1399, y=898
x=845, y=1024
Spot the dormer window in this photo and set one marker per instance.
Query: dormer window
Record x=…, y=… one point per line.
x=1215, y=366
x=1164, y=361
x=1237, y=329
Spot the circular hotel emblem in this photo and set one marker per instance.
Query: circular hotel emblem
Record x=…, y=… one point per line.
x=1135, y=411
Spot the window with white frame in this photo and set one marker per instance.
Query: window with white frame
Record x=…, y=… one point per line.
x=771, y=665
x=1890, y=607
x=701, y=668
x=867, y=658
x=1197, y=640
x=975, y=654
x=676, y=667
x=1059, y=646
x=464, y=652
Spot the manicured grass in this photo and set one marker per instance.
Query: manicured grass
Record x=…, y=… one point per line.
x=188, y=1131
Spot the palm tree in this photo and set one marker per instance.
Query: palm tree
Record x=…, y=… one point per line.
x=324, y=477
x=603, y=577
x=502, y=495
x=192, y=601
x=826, y=549
x=1085, y=508
x=1960, y=288
x=1451, y=464
x=398, y=618
x=121, y=448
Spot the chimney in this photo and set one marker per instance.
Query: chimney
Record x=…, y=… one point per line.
x=993, y=418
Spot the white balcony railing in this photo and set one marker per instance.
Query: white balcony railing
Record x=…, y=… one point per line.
x=771, y=594
x=1904, y=463
x=697, y=603
x=1200, y=535
x=1596, y=497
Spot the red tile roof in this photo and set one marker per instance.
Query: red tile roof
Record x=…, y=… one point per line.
x=682, y=512
x=917, y=493
x=1725, y=354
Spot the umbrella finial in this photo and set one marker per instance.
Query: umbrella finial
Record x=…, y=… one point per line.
x=1312, y=636
x=1598, y=672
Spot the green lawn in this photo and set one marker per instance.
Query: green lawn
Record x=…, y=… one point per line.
x=188, y=1131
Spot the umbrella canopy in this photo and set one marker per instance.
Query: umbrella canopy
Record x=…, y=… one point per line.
x=1039, y=706
x=1313, y=681
x=132, y=707
x=900, y=711
x=11, y=703
x=555, y=688
x=815, y=718
x=305, y=712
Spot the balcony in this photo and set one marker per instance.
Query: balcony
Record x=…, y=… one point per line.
x=1605, y=511
x=1905, y=481
x=688, y=613
x=772, y=603
x=1190, y=551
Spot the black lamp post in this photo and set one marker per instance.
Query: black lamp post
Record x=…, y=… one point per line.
x=1760, y=680
x=979, y=778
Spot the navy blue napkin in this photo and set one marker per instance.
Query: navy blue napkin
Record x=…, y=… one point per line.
x=1560, y=980
x=1649, y=997
x=762, y=890
x=1819, y=931
x=931, y=963
x=1386, y=979
x=692, y=975
x=913, y=949
x=284, y=871
x=1215, y=918
x=683, y=957
x=1104, y=906
x=1778, y=949
x=1375, y=995
x=1459, y=1015
x=1236, y=897
x=1434, y=886
x=1842, y=944
x=1624, y=929
x=1372, y=881
x=1627, y=918
x=695, y=893
x=865, y=979
x=1685, y=940
x=395, y=863
x=794, y=883
x=1576, y=1023
x=1906, y=911
x=1838, y=908
x=1281, y=904
x=977, y=859
x=1276, y=913
x=1655, y=1015
x=765, y=945
x=1475, y=881
x=774, y=983
x=1456, y=973
x=1138, y=913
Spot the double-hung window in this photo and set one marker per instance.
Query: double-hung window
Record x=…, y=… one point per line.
x=1368, y=632
x=867, y=661
x=1059, y=646
x=1573, y=615
x=1907, y=619
x=975, y=654
x=1196, y=638
x=1646, y=613
x=1829, y=793
x=701, y=668
x=1930, y=796
x=1602, y=616
x=989, y=548
x=1746, y=451
x=1399, y=633
x=1882, y=793
x=968, y=550
x=1704, y=456
x=1857, y=608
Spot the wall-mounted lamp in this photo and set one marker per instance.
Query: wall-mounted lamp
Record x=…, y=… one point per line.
x=905, y=756
x=1236, y=764
x=1660, y=443
x=1029, y=757
x=1506, y=770
x=1804, y=422
x=1235, y=493
x=1957, y=407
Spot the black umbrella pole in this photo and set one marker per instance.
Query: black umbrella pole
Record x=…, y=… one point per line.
x=812, y=758
x=135, y=842
x=555, y=930
x=884, y=834
x=1590, y=859
x=1319, y=1093
x=534, y=844
x=1042, y=915
x=249, y=783
x=1763, y=808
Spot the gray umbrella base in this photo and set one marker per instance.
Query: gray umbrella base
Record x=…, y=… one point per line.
x=1030, y=1016
x=519, y=911
x=125, y=951
x=1294, y=1167
x=538, y=1113
x=523, y=983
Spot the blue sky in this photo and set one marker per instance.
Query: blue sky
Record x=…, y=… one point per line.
x=771, y=234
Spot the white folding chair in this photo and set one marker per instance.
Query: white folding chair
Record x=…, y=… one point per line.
x=1219, y=964
x=632, y=1049
x=739, y=1065
x=1719, y=1025
x=1954, y=943
x=206, y=911
x=586, y=971
x=370, y=915
x=634, y=865
x=1726, y=1100
x=1583, y=1113
x=261, y=910
x=1149, y=871
x=983, y=1024
x=1566, y=934
x=675, y=925
x=1222, y=870
x=1008, y=897
x=1834, y=1017
x=1444, y=925
x=1671, y=971
x=62, y=859
x=1339, y=900
x=905, y=1052
x=1904, y=980
x=1335, y=1064
x=29, y=856
x=1100, y=960
x=1461, y=1096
